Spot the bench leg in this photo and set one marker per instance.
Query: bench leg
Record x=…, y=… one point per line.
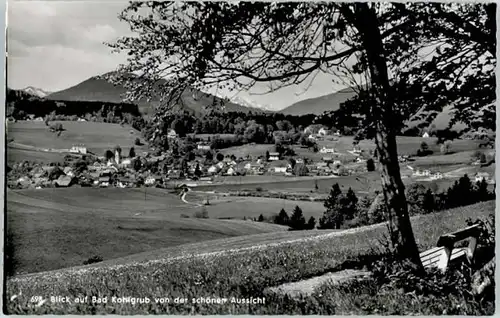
x=445, y=258
x=471, y=250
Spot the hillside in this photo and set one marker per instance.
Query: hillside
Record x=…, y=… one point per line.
x=318, y=105
x=97, y=137
x=99, y=89
x=71, y=225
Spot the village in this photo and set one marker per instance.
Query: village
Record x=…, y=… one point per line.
x=83, y=168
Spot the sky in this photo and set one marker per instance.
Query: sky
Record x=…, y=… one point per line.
x=54, y=45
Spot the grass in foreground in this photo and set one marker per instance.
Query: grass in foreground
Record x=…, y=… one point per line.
x=242, y=274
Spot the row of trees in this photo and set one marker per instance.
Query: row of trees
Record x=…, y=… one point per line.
x=344, y=210
x=20, y=104
x=296, y=221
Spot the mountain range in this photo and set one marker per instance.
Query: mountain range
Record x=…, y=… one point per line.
x=99, y=89
x=36, y=91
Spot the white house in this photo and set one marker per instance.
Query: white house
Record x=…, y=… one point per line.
x=425, y=135
x=68, y=171
x=126, y=162
x=280, y=169
x=150, y=180
x=327, y=150
x=273, y=156
x=203, y=147
x=213, y=169
x=311, y=137
x=323, y=132
x=78, y=149
x=482, y=175
x=231, y=171
x=299, y=160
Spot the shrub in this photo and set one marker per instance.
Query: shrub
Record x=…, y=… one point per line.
x=261, y=218
x=137, y=142
x=258, y=189
x=446, y=147
x=185, y=216
x=93, y=259
x=203, y=214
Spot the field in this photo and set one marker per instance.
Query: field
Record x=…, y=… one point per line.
x=64, y=227
x=240, y=207
x=97, y=137
x=218, y=271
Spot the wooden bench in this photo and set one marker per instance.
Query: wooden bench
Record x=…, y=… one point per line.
x=444, y=252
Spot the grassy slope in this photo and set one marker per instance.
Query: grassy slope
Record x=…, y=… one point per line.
x=243, y=273
x=64, y=227
x=98, y=137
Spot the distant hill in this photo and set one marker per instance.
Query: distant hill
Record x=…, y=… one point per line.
x=331, y=102
x=318, y=105
x=98, y=89
x=35, y=91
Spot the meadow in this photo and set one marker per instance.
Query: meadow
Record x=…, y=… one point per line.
x=97, y=137
x=56, y=228
x=406, y=146
x=250, y=207
x=240, y=273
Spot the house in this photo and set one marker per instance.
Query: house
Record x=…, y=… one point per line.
x=126, y=163
x=273, y=156
x=327, y=159
x=206, y=179
x=323, y=132
x=327, y=150
x=220, y=164
x=78, y=149
x=103, y=181
x=204, y=147
x=68, y=171
x=231, y=171
x=425, y=135
x=280, y=169
x=213, y=169
x=149, y=180
x=175, y=174
x=437, y=175
x=64, y=181
x=311, y=137
x=321, y=165
x=171, y=134
x=356, y=149
x=360, y=160
x=482, y=175
x=299, y=160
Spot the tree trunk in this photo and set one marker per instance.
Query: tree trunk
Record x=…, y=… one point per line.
x=366, y=21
